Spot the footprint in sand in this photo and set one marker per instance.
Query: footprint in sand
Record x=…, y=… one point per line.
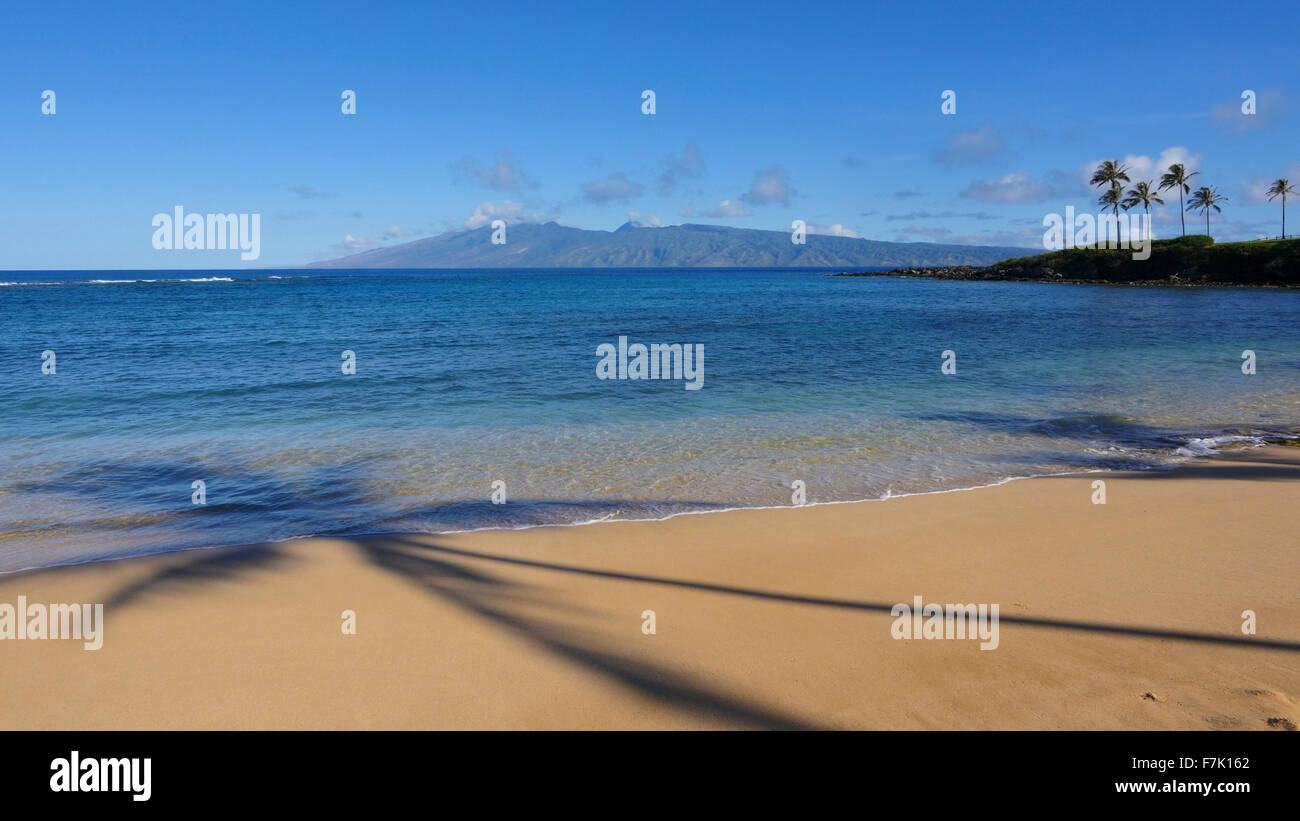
x=1149, y=696
x=1275, y=722
x=1282, y=697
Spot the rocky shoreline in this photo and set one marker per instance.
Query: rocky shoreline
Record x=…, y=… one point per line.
x=1185, y=262
x=972, y=273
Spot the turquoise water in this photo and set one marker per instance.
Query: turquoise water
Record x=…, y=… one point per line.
x=468, y=377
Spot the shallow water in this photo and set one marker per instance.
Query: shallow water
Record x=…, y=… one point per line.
x=464, y=378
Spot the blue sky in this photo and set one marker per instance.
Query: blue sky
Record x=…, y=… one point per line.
x=765, y=113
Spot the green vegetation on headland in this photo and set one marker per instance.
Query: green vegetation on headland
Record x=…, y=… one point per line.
x=1193, y=260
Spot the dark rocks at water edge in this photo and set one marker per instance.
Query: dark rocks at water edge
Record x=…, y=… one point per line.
x=1186, y=261
x=943, y=272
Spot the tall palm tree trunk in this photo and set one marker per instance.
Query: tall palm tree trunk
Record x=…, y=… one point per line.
x=1182, y=215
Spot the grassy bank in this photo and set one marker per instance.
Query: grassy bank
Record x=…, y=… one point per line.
x=1193, y=260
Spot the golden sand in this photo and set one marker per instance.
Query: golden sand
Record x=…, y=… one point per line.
x=1126, y=615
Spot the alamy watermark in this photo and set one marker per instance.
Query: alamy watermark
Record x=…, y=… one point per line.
x=948, y=621
x=77, y=774
x=80, y=622
x=656, y=361
x=208, y=232
x=1102, y=230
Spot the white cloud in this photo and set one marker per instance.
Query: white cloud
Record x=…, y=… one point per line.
x=1141, y=167
x=836, y=230
x=354, y=244
x=507, y=210
x=772, y=184
x=727, y=208
x=1014, y=187
x=651, y=221
x=1256, y=190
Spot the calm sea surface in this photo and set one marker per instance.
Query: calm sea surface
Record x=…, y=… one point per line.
x=464, y=378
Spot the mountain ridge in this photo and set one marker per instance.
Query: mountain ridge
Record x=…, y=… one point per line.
x=551, y=245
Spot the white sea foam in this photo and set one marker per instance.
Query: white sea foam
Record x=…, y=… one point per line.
x=124, y=281
x=1210, y=445
x=1197, y=447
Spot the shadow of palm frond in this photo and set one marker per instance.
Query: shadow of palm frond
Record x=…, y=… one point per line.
x=196, y=568
x=496, y=600
x=851, y=604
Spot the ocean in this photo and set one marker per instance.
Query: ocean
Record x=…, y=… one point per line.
x=474, y=383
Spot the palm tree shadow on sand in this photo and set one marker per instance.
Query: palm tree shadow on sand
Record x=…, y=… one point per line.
x=463, y=579
x=488, y=596
x=500, y=602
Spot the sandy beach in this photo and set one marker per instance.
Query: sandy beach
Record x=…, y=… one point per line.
x=1126, y=615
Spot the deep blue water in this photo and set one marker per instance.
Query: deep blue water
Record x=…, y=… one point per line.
x=468, y=377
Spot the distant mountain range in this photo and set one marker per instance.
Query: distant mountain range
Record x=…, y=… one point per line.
x=551, y=245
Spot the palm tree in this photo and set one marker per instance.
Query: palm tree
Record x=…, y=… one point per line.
x=1177, y=177
x=1112, y=199
x=1141, y=194
x=1280, y=188
x=1205, y=199
x=1110, y=173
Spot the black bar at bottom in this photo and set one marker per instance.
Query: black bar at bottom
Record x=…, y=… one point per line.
x=331, y=769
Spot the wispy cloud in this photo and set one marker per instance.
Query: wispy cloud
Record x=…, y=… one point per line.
x=726, y=208
x=1014, y=187
x=771, y=185
x=1269, y=104
x=974, y=145
x=615, y=187
x=307, y=192
x=927, y=215
x=502, y=175
x=1256, y=190
x=687, y=164
x=1026, y=238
